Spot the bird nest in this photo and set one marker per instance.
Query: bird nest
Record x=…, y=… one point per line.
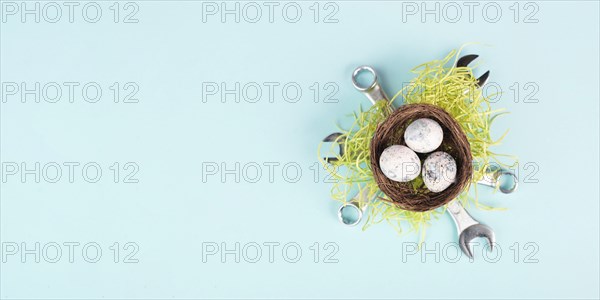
x=414, y=196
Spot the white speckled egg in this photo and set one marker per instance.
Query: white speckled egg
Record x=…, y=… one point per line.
x=423, y=135
x=399, y=163
x=439, y=171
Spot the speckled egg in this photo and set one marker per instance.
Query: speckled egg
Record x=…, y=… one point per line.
x=439, y=171
x=399, y=163
x=423, y=135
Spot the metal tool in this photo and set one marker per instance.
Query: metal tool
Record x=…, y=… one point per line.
x=493, y=177
x=334, y=137
x=374, y=92
x=465, y=61
x=357, y=207
x=469, y=228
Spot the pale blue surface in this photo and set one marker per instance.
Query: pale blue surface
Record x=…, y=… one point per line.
x=170, y=132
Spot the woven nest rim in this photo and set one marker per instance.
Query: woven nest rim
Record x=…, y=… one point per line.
x=455, y=142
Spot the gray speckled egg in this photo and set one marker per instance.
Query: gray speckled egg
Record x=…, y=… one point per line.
x=399, y=163
x=439, y=171
x=423, y=135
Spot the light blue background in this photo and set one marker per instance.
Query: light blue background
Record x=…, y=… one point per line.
x=171, y=212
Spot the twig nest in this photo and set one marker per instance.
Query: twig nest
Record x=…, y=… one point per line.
x=423, y=135
x=399, y=163
x=412, y=195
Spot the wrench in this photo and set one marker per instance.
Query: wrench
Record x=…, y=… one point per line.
x=492, y=178
x=492, y=175
x=469, y=228
x=374, y=93
x=356, y=207
x=465, y=61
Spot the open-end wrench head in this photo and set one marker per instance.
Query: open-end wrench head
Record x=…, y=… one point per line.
x=334, y=137
x=475, y=231
x=466, y=60
x=483, y=79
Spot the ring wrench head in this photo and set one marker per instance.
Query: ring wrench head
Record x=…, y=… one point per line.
x=373, y=91
x=350, y=214
x=352, y=211
x=494, y=178
x=502, y=187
